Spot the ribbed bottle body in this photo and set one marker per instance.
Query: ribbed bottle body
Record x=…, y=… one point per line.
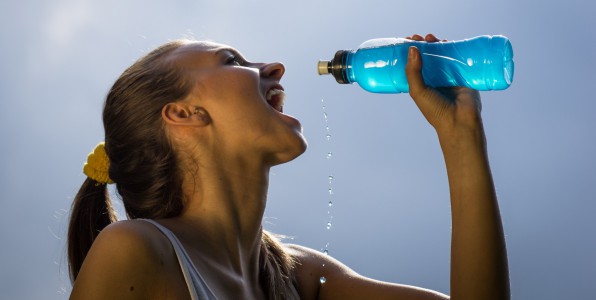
x=482, y=63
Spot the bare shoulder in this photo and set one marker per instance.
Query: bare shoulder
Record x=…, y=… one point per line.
x=320, y=276
x=125, y=261
x=312, y=267
x=303, y=254
x=317, y=263
x=136, y=241
x=133, y=235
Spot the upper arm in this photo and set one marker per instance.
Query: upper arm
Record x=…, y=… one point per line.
x=121, y=264
x=343, y=283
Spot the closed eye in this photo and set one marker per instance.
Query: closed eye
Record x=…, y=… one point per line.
x=234, y=61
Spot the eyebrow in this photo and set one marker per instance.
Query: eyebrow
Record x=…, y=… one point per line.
x=229, y=49
x=224, y=50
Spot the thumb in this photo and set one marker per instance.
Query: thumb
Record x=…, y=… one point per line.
x=424, y=96
x=414, y=73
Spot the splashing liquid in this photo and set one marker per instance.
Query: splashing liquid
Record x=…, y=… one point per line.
x=330, y=190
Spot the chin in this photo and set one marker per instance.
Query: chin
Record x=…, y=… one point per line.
x=291, y=153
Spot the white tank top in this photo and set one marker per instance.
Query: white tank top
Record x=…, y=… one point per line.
x=196, y=285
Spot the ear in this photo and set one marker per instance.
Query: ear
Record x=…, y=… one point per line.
x=177, y=113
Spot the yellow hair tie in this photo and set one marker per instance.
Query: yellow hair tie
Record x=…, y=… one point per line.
x=98, y=165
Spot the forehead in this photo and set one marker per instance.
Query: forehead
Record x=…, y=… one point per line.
x=199, y=54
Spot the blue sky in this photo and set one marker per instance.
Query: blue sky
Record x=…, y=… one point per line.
x=391, y=218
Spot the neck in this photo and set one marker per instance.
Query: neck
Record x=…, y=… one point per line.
x=224, y=207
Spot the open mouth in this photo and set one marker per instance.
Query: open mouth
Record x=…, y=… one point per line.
x=276, y=98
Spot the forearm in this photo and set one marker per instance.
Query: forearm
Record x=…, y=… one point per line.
x=478, y=253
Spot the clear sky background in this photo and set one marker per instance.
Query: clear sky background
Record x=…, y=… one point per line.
x=391, y=217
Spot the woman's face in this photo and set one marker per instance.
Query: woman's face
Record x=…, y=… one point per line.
x=244, y=101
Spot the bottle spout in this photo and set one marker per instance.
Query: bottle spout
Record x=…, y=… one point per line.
x=324, y=67
x=336, y=67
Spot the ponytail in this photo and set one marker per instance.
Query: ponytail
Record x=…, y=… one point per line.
x=276, y=269
x=139, y=158
x=91, y=212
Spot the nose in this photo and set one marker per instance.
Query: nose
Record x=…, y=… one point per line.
x=273, y=70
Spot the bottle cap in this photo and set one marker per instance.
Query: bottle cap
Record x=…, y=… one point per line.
x=323, y=67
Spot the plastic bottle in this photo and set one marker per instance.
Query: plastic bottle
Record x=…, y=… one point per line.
x=482, y=63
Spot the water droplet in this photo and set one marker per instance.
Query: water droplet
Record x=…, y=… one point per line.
x=325, y=115
x=330, y=203
x=330, y=191
x=330, y=178
x=329, y=154
x=326, y=252
x=328, y=137
x=323, y=279
x=323, y=265
x=328, y=225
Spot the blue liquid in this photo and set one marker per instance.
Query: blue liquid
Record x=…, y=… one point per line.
x=483, y=63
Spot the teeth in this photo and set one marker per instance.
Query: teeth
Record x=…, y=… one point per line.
x=279, y=95
x=275, y=92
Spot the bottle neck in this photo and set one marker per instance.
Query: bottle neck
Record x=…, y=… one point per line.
x=339, y=66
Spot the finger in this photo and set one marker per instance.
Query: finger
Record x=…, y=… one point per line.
x=423, y=96
x=417, y=37
x=414, y=72
x=431, y=38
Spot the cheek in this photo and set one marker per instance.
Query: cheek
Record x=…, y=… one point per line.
x=244, y=87
x=231, y=85
x=234, y=101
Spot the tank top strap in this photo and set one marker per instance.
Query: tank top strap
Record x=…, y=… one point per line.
x=197, y=287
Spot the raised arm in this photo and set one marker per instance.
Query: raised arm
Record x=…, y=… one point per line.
x=478, y=254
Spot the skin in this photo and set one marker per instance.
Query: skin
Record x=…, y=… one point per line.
x=229, y=137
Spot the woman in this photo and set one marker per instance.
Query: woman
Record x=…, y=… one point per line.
x=191, y=131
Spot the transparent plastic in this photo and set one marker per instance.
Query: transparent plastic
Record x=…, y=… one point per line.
x=483, y=63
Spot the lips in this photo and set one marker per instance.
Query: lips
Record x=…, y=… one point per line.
x=276, y=98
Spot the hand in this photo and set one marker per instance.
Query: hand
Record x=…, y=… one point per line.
x=446, y=109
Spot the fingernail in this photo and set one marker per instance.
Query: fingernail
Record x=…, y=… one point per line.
x=412, y=53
